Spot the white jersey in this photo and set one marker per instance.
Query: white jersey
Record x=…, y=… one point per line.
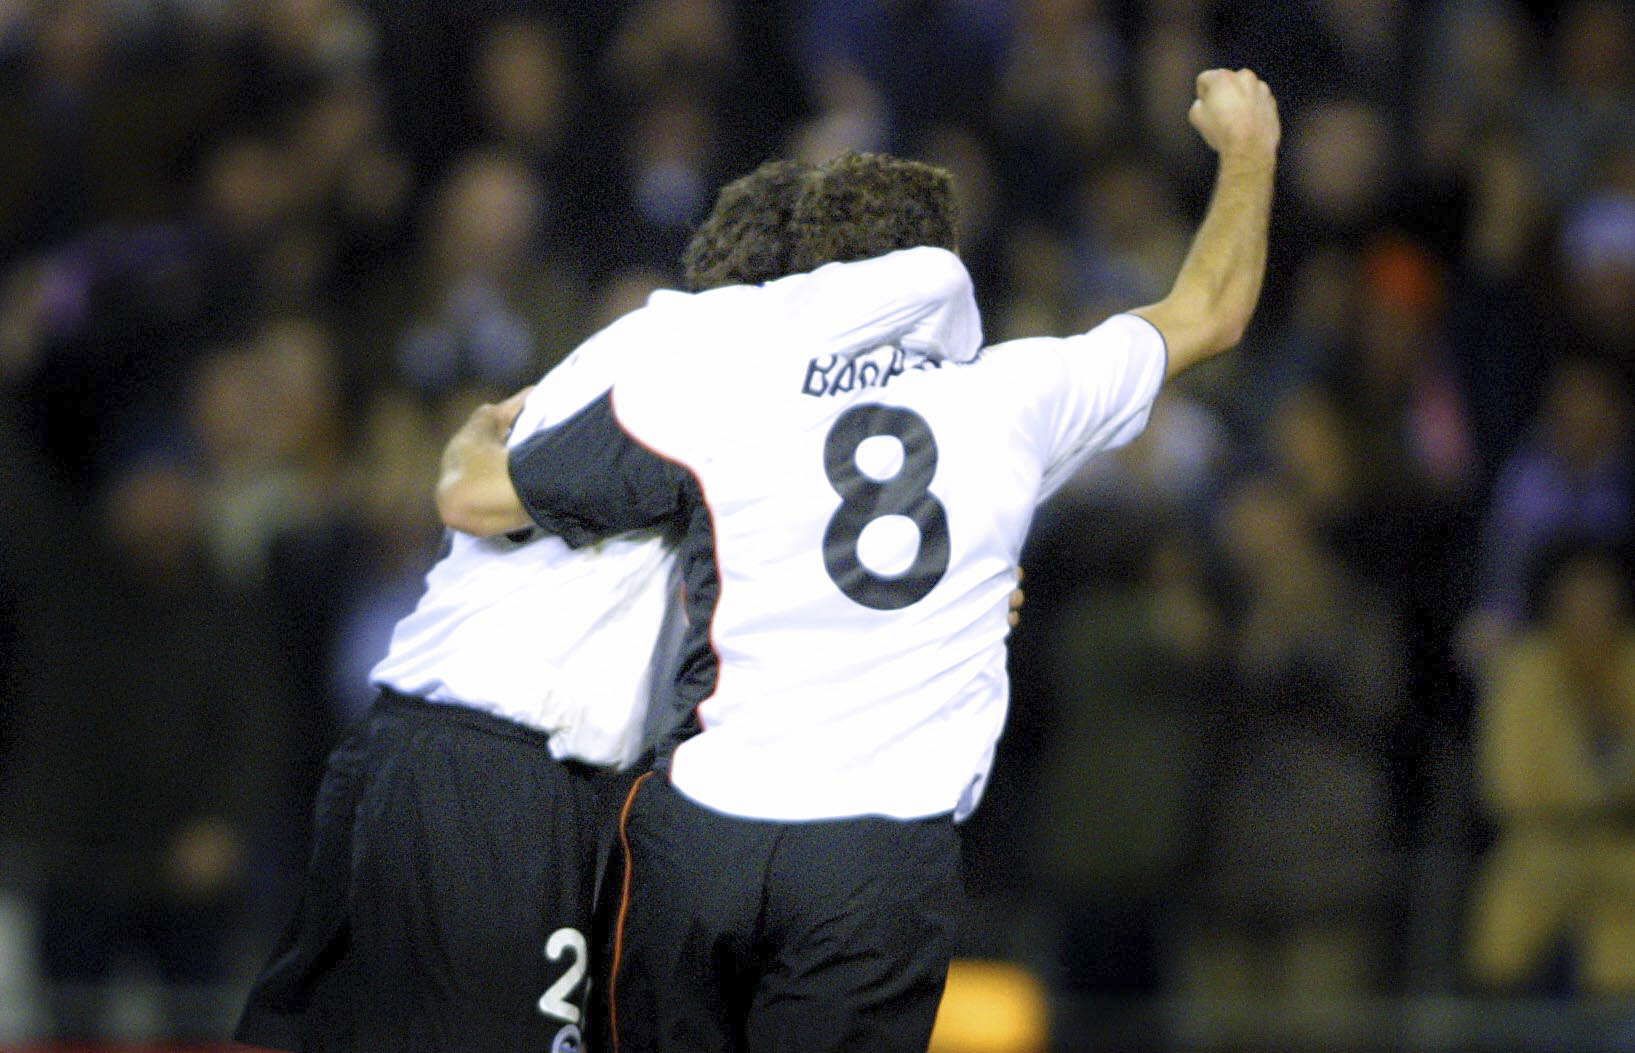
x=853, y=528
x=529, y=629
x=562, y=639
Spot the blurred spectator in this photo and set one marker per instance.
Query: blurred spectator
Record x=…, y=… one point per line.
x=623, y=293
x=113, y=320
x=1410, y=457
x=246, y=197
x=525, y=104
x=245, y=489
x=1134, y=667
x=1311, y=445
x=1572, y=478
x=149, y=699
x=304, y=41
x=101, y=106
x=268, y=418
x=931, y=62
x=1133, y=237
x=1588, y=103
x=1557, y=750
x=1365, y=415
x=1497, y=324
x=275, y=510
x=342, y=170
x=1341, y=170
x=671, y=44
x=392, y=485
x=850, y=116
x=1400, y=543
x=1058, y=105
x=59, y=64
x=493, y=309
x=1598, y=263
x=521, y=82
x=1369, y=36
x=1400, y=380
x=671, y=165
x=1165, y=71
x=1171, y=468
x=1476, y=73
x=1322, y=324
x=23, y=330
x=1038, y=275
x=1299, y=616
x=1477, y=69
x=1299, y=836
x=977, y=197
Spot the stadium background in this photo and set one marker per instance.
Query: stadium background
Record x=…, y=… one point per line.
x=1319, y=738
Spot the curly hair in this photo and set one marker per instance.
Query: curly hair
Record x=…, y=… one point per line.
x=746, y=240
x=787, y=217
x=862, y=205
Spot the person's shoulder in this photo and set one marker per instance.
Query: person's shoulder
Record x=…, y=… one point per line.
x=1026, y=355
x=926, y=264
x=1125, y=326
x=680, y=355
x=1122, y=332
x=705, y=318
x=670, y=325
x=602, y=354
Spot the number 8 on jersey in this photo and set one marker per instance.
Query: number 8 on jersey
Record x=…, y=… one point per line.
x=864, y=500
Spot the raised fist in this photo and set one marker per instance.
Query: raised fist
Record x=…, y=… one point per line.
x=1235, y=113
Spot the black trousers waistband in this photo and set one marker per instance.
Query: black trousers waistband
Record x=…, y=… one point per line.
x=420, y=709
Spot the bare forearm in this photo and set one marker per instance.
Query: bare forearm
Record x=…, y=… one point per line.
x=1216, y=290
x=1219, y=284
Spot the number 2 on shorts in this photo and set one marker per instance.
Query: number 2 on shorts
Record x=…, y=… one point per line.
x=554, y=1003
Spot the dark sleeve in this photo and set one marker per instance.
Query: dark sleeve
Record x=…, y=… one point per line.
x=586, y=478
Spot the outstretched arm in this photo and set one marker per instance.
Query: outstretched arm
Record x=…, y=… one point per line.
x=474, y=491
x=1216, y=290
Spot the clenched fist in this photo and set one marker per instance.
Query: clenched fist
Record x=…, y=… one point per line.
x=1236, y=114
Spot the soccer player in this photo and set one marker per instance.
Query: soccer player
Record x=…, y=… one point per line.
x=449, y=891
x=849, y=525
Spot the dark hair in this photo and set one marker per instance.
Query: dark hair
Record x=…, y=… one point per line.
x=746, y=238
x=866, y=205
x=787, y=217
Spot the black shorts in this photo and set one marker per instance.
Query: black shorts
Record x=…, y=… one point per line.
x=448, y=897
x=736, y=935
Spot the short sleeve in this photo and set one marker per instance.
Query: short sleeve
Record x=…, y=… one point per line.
x=1084, y=394
x=586, y=479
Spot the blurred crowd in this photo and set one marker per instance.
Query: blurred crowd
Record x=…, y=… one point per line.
x=1324, y=687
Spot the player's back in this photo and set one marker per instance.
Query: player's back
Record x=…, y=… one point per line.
x=864, y=517
x=559, y=638
x=524, y=627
